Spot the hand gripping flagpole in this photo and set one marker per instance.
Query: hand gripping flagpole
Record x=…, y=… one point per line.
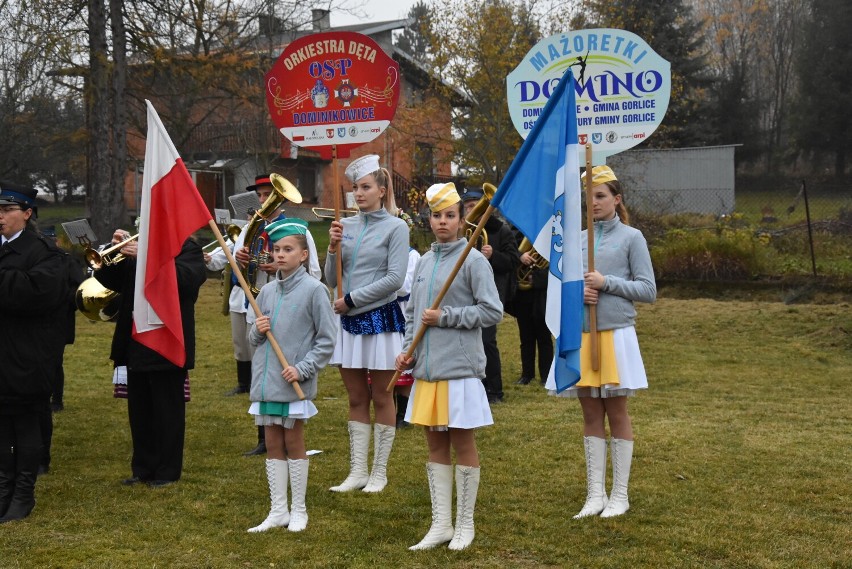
x=238, y=273
x=590, y=233
x=437, y=302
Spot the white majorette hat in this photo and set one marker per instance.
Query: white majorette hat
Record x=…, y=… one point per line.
x=360, y=167
x=442, y=196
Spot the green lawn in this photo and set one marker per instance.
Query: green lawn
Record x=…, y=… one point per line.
x=742, y=460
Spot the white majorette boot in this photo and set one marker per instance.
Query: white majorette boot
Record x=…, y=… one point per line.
x=359, y=446
x=622, y=456
x=441, y=490
x=467, y=486
x=382, y=443
x=596, y=500
x=276, y=473
x=298, y=488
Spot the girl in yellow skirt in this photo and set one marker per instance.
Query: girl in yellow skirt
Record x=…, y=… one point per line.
x=623, y=275
x=448, y=398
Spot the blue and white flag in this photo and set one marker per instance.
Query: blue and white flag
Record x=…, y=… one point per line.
x=540, y=195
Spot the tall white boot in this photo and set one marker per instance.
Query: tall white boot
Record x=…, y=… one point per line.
x=622, y=456
x=440, y=478
x=359, y=446
x=298, y=488
x=382, y=444
x=596, y=500
x=276, y=474
x=467, y=486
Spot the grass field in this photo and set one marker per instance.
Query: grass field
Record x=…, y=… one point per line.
x=742, y=460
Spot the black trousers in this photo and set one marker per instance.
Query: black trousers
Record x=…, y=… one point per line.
x=493, y=381
x=21, y=440
x=533, y=332
x=157, y=413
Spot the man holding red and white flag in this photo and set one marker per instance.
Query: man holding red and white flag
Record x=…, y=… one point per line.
x=155, y=331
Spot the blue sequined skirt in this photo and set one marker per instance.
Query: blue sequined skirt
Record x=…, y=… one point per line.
x=386, y=318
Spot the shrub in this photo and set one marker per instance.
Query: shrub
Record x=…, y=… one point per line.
x=726, y=252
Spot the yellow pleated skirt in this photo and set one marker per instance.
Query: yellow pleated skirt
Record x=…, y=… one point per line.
x=457, y=404
x=621, y=370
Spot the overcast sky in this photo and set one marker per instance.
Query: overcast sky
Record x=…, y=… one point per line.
x=376, y=10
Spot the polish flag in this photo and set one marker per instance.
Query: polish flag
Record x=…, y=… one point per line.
x=171, y=210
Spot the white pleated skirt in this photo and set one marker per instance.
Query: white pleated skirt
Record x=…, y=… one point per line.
x=631, y=370
x=467, y=405
x=299, y=410
x=366, y=351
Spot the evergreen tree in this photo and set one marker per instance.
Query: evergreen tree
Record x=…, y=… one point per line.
x=823, y=123
x=669, y=27
x=413, y=40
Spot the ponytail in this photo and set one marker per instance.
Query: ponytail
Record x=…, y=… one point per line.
x=620, y=209
x=384, y=180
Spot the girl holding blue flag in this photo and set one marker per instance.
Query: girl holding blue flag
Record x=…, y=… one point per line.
x=373, y=247
x=448, y=398
x=293, y=301
x=623, y=275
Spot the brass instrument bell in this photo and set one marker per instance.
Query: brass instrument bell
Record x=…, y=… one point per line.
x=472, y=218
x=96, y=302
x=524, y=273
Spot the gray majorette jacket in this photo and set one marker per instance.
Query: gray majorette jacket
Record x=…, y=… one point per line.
x=453, y=349
x=621, y=255
x=304, y=325
x=375, y=259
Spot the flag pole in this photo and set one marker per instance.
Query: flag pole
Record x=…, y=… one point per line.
x=590, y=233
x=338, y=265
x=437, y=303
x=238, y=273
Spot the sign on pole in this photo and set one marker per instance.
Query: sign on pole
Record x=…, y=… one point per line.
x=622, y=87
x=332, y=89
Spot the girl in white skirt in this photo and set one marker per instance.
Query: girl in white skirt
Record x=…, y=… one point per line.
x=623, y=275
x=374, y=250
x=292, y=301
x=448, y=398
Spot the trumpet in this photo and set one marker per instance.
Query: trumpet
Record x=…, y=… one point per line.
x=472, y=219
x=524, y=273
x=328, y=212
x=107, y=257
x=233, y=231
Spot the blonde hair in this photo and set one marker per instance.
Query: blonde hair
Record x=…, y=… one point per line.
x=384, y=180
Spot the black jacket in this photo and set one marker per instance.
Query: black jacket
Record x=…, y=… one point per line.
x=121, y=277
x=33, y=293
x=75, y=275
x=504, y=257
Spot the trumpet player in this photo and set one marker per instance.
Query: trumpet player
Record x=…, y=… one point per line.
x=241, y=316
x=502, y=254
x=529, y=307
x=156, y=407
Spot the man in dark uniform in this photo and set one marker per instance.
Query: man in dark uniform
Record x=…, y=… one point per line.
x=33, y=290
x=502, y=253
x=155, y=386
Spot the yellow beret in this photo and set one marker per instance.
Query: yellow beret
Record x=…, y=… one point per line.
x=442, y=196
x=602, y=175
